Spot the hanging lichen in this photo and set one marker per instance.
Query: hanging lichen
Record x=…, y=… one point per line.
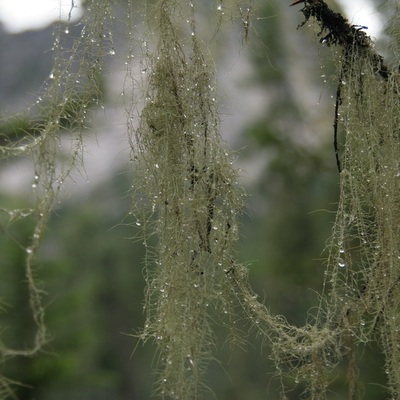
x=362, y=297
x=188, y=182
x=60, y=111
x=365, y=265
x=191, y=185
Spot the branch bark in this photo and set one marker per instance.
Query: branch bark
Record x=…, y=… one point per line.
x=336, y=30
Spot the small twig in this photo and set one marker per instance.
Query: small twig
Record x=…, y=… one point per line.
x=336, y=123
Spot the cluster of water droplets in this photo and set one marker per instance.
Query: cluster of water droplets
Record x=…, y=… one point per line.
x=194, y=199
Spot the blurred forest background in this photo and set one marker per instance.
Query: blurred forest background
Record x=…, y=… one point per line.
x=276, y=102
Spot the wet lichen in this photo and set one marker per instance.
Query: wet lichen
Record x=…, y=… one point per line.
x=191, y=184
x=187, y=181
x=62, y=109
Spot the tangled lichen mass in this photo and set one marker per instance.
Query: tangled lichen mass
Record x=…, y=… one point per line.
x=195, y=194
x=186, y=187
x=192, y=186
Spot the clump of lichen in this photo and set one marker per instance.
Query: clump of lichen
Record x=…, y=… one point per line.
x=361, y=296
x=60, y=115
x=191, y=190
x=366, y=267
x=191, y=185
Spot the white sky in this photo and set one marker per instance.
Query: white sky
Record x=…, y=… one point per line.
x=362, y=12
x=20, y=15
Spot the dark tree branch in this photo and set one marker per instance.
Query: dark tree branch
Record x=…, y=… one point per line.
x=336, y=30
